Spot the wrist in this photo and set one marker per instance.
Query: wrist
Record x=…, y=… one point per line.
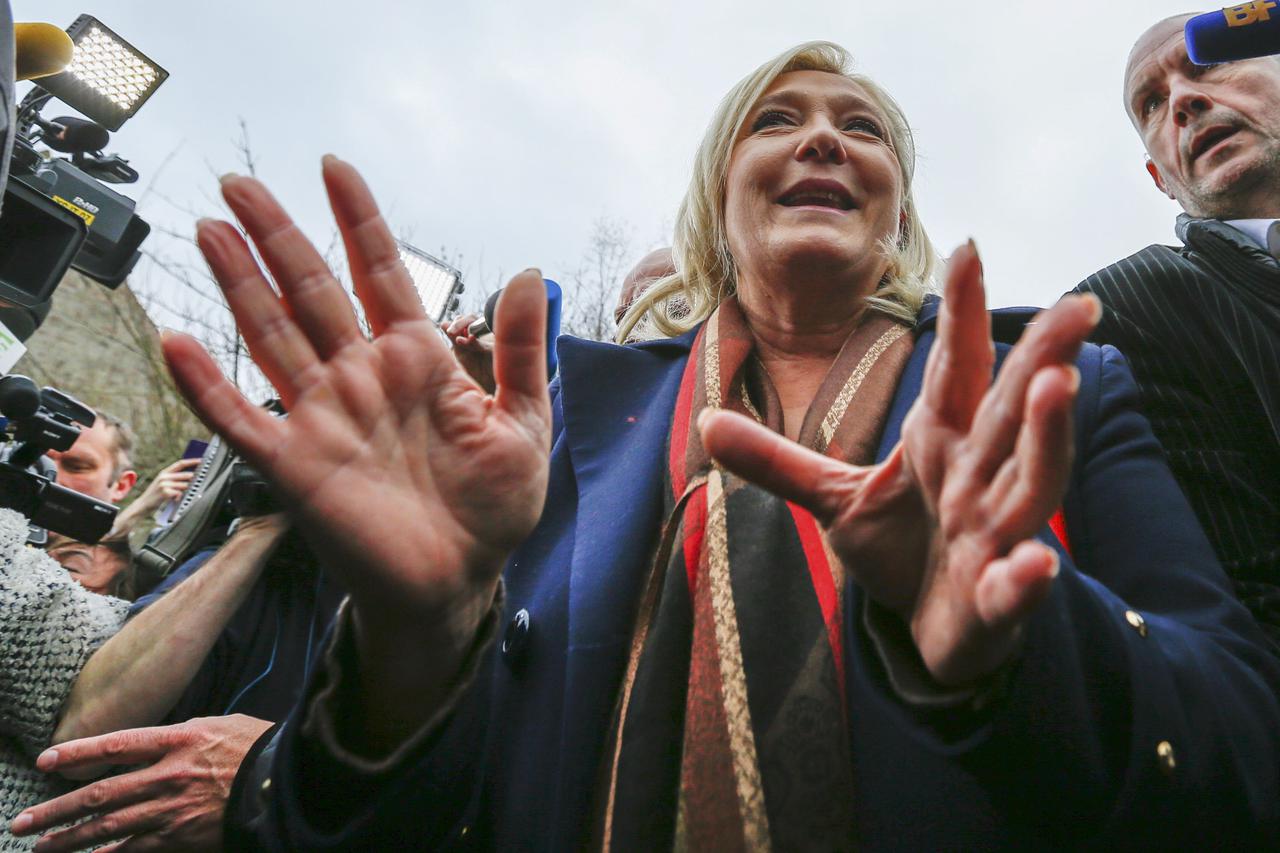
x=417, y=651
x=407, y=672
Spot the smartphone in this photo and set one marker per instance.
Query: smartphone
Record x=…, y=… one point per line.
x=195, y=450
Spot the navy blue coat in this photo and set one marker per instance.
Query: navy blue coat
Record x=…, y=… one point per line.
x=1071, y=754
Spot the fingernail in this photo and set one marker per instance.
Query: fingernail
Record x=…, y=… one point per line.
x=1057, y=565
x=973, y=245
x=329, y=160
x=20, y=823
x=204, y=222
x=228, y=176
x=533, y=269
x=1095, y=305
x=1073, y=375
x=702, y=418
x=47, y=760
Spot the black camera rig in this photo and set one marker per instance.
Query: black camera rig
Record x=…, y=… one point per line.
x=37, y=420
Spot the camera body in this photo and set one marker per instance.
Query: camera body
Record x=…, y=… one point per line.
x=35, y=422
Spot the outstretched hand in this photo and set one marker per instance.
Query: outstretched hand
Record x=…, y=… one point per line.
x=941, y=533
x=411, y=483
x=175, y=799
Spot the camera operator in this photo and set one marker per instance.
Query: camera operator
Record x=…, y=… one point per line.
x=100, y=462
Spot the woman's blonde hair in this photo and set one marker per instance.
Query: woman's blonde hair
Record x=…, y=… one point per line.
x=705, y=272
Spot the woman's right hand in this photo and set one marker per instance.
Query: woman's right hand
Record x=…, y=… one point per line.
x=410, y=482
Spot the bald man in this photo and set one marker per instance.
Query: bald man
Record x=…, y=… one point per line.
x=1200, y=323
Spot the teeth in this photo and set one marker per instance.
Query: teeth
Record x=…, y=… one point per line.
x=831, y=198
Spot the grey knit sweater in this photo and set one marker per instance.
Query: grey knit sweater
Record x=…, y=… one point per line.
x=49, y=626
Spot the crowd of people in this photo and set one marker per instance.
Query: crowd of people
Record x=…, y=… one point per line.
x=821, y=554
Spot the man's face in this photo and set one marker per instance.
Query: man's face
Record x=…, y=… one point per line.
x=90, y=463
x=1212, y=132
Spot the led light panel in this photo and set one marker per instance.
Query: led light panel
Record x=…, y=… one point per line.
x=108, y=79
x=437, y=282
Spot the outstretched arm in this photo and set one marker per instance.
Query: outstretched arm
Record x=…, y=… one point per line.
x=139, y=674
x=175, y=799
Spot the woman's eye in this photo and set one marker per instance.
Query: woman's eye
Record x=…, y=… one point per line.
x=770, y=118
x=865, y=125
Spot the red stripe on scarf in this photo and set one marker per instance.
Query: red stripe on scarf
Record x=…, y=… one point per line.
x=1058, y=524
x=680, y=426
x=823, y=583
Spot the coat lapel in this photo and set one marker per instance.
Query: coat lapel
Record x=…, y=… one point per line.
x=617, y=403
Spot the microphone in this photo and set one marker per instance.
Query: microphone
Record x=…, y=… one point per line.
x=1236, y=32
x=73, y=135
x=485, y=325
x=40, y=50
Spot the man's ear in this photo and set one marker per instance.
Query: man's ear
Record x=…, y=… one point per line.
x=1155, y=176
x=122, y=485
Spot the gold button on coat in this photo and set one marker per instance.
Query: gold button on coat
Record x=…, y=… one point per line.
x=1134, y=618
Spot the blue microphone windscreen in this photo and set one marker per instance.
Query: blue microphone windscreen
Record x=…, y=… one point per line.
x=554, y=295
x=1236, y=32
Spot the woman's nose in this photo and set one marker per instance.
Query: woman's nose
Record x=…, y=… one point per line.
x=821, y=141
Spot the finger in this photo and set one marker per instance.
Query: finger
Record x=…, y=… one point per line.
x=958, y=372
x=1012, y=587
x=110, y=826
x=381, y=281
x=520, y=347
x=458, y=326
x=246, y=427
x=315, y=298
x=756, y=453
x=127, y=746
x=1030, y=485
x=103, y=796
x=276, y=343
x=1055, y=339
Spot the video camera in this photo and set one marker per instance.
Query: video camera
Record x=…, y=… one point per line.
x=59, y=211
x=35, y=422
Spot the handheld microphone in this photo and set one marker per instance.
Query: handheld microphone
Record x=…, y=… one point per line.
x=40, y=50
x=1237, y=32
x=485, y=325
x=73, y=135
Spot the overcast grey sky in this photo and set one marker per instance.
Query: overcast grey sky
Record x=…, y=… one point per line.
x=502, y=130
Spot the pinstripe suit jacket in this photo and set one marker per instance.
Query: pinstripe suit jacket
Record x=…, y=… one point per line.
x=1200, y=326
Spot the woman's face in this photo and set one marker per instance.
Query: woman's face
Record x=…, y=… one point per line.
x=813, y=183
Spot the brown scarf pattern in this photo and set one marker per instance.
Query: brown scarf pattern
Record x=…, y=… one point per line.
x=731, y=727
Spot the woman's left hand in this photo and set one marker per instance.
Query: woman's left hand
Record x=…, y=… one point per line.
x=941, y=532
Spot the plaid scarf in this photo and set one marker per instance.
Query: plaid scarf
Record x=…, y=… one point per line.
x=731, y=730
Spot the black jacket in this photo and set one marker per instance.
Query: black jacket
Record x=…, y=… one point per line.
x=1200, y=326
